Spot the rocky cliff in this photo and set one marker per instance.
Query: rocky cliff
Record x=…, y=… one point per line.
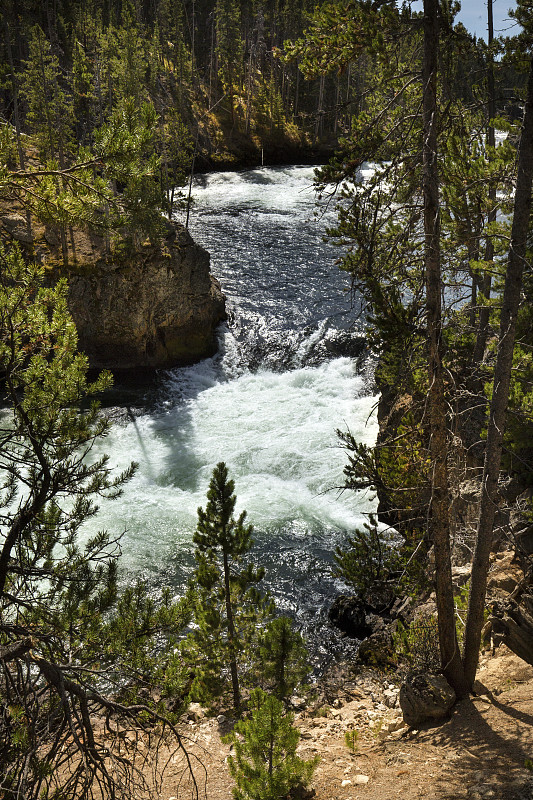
x=157, y=308
x=153, y=307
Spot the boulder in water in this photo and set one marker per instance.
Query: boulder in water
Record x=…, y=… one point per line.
x=345, y=343
x=348, y=614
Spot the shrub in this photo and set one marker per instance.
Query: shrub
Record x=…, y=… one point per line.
x=419, y=643
x=265, y=765
x=350, y=739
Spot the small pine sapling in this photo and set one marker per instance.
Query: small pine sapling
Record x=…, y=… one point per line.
x=350, y=739
x=284, y=657
x=370, y=564
x=228, y=609
x=265, y=765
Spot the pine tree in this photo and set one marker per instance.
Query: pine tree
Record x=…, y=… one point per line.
x=49, y=111
x=265, y=765
x=283, y=658
x=126, y=147
x=229, y=47
x=501, y=382
x=228, y=607
x=177, y=150
x=49, y=114
x=83, y=93
x=59, y=648
x=129, y=67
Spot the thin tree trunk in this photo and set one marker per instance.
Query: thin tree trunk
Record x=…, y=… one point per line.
x=320, y=109
x=16, y=113
x=484, y=314
x=231, y=638
x=439, y=526
x=501, y=382
x=348, y=103
x=211, y=59
x=296, y=91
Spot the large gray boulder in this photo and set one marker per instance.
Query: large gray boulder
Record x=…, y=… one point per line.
x=16, y=226
x=425, y=697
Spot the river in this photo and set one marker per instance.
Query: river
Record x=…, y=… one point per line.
x=268, y=404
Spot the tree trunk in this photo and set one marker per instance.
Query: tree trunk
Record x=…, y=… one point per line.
x=320, y=110
x=484, y=314
x=500, y=397
x=14, y=88
x=231, y=638
x=439, y=526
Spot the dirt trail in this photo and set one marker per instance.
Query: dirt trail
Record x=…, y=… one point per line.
x=480, y=752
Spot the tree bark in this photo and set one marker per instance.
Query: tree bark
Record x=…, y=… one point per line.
x=512, y=622
x=484, y=314
x=231, y=637
x=439, y=527
x=501, y=382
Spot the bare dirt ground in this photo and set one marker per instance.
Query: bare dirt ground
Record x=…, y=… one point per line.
x=480, y=752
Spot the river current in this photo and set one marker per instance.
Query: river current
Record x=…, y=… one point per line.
x=268, y=404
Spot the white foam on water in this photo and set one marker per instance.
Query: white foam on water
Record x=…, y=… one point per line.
x=276, y=433
x=276, y=189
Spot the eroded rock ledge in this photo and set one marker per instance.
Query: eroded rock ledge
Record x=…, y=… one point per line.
x=153, y=307
x=156, y=309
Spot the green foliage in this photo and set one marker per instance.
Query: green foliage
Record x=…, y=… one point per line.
x=370, y=562
x=338, y=33
x=177, y=150
x=83, y=92
x=397, y=469
x=265, y=765
x=227, y=606
x=229, y=44
x=461, y=608
x=377, y=567
x=85, y=193
x=235, y=639
x=126, y=145
x=419, y=643
x=148, y=631
x=50, y=115
x=283, y=657
x=350, y=739
x=70, y=642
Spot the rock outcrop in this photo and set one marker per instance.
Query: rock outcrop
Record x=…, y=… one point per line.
x=157, y=308
x=152, y=307
x=348, y=614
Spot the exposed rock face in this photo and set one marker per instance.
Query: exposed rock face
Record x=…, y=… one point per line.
x=425, y=697
x=17, y=227
x=155, y=309
x=377, y=650
x=349, y=615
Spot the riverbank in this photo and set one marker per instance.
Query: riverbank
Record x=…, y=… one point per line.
x=480, y=752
